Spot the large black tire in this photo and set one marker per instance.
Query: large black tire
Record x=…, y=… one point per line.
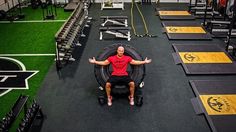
x=102, y=73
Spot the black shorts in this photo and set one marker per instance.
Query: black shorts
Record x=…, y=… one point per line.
x=119, y=80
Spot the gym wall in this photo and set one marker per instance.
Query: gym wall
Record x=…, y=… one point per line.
x=4, y=4
x=162, y=1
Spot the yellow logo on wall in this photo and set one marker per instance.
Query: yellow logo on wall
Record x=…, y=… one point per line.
x=204, y=57
x=219, y=104
x=173, y=29
x=174, y=13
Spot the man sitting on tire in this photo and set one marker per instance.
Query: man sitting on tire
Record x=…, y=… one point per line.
x=119, y=75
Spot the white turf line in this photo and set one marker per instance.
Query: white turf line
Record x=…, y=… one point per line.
x=27, y=55
x=33, y=21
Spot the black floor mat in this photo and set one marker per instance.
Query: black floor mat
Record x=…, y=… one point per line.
x=206, y=68
x=175, y=17
x=186, y=36
x=216, y=92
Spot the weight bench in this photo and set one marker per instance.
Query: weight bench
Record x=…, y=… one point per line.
x=116, y=20
x=119, y=32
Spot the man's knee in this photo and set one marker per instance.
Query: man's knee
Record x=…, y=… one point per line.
x=131, y=84
x=108, y=85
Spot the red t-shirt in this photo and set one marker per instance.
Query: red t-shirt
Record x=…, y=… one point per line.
x=119, y=65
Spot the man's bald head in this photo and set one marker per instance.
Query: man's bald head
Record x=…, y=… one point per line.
x=120, y=51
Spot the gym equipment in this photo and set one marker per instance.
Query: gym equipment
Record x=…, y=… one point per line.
x=137, y=73
x=14, y=11
x=219, y=27
x=118, y=32
x=21, y=15
x=180, y=30
x=112, y=4
x=187, y=30
x=71, y=6
x=35, y=3
x=68, y=36
x=204, y=59
x=173, y=11
x=143, y=19
x=200, y=8
x=47, y=9
x=176, y=6
x=31, y=114
x=146, y=2
x=216, y=100
x=175, y=15
x=119, y=27
x=3, y=14
x=232, y=24
x=9, y=119
x=115, y=20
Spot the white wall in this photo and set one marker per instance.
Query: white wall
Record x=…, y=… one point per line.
x=4, y=6
x=2, y=2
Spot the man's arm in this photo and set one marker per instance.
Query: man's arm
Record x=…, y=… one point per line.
x=102, y=63
x=137, y=62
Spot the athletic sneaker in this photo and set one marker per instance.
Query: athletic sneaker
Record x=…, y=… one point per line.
x=109, y=101
x=131, y=100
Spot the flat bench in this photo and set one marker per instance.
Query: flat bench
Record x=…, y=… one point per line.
x=119, y=32
x=115, y=20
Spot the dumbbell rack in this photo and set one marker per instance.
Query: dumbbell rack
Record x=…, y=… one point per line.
x=10, y=117
x=30, y=115
x=67, y=38
x=34, y=114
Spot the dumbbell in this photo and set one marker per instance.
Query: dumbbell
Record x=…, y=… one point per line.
x=3, y=130
x=69, y=51
x=22, y=124
x=68, y=54
x=10, y=113
x=65, y=46
x=30, y=110
x=34, y=107
x=33, y=110
x=69, y=35
x=25, y=122
x=29, y=116
x=3, y=126
x=20, y=129
x=6, y=120
x=66, y=58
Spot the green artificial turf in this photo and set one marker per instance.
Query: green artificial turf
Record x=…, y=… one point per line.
x=37, y=14
x=41, y=64
x=29, y=38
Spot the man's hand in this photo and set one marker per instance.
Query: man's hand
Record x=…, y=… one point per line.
x=147, y=60
x=93, y=60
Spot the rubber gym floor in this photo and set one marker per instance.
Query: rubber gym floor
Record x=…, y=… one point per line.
x=69, y=102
